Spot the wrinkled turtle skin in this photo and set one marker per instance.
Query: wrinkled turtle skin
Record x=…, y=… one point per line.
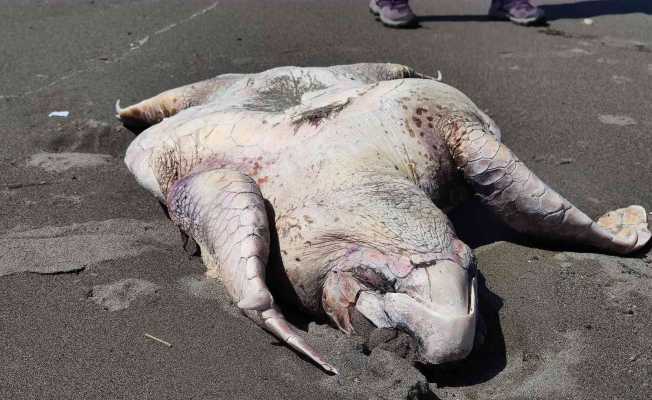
x=352, y=168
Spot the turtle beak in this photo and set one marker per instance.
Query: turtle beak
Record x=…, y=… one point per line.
x=444, y=329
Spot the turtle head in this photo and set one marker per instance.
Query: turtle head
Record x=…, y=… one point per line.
x=441, y=318
x=433, y=299
x=402, y=266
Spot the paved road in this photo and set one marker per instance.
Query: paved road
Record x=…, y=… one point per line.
x=573, y=100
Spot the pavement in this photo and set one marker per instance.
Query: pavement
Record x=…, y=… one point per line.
x=89, y=263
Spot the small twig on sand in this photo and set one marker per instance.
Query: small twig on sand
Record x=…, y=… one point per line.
x=147, y=335
x=26, y=184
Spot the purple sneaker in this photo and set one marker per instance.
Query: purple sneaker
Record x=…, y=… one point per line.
x=520, y=12
x=394, y=13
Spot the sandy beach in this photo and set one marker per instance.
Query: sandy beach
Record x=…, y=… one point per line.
x=89, y=263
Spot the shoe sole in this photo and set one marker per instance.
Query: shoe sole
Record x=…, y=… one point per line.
x=517, y=21
x=398, y=24
x=527, y=21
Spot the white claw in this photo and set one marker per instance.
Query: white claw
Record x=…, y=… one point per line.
x=281, y=328
x=439, y=77
x=329, y=368
x=118, y=110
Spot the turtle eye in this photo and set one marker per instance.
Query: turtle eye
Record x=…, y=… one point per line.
x=375, y=279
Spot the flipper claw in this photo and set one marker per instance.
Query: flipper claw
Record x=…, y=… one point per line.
x=118, y=110
x=277, y=324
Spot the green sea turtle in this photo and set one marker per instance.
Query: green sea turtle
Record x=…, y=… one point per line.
x=348, y=170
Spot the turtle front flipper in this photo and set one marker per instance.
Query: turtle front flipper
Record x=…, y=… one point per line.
x=153, y=110
x=225, y=213
x=516, y=195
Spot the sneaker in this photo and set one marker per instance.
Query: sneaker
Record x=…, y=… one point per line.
x=520, y=12
x=374, y=7
x=394, y=13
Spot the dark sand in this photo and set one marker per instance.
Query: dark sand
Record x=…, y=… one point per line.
x=89, y=263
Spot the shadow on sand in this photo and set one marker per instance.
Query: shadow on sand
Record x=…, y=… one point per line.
x=579, y=10
x=596, y=8
x=476, y=226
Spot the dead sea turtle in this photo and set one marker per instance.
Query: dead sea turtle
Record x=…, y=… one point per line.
x=352, y=168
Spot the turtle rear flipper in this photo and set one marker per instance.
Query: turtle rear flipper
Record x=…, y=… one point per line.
x=225, y=213
x=166, y=104
x=520, y=199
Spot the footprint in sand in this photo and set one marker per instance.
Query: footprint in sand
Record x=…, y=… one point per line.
x=204, y=288
x=59, y=162
x=87, y=136
x=119, y=295
x=51, y=249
